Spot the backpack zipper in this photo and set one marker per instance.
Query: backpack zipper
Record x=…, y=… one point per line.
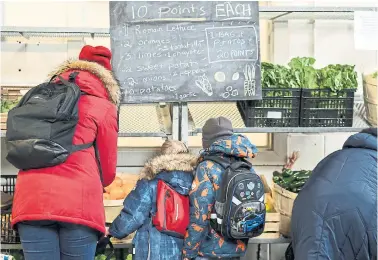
x=149, y=243
x=177, y=211
x=165, y=213
x=228, y=185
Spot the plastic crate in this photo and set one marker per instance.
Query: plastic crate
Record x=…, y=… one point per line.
x=8, y=183
x=324, y=108
x=278, y=108
x=8, y=235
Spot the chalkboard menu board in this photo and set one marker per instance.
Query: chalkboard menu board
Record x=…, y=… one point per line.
x=186, y=51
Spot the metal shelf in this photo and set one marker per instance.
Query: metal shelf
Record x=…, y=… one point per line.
x=274, y=13
x=359, y=123
x=162, y=135
x=290, y=130
x=10, y=246
x=14, y=31
x=285, y=13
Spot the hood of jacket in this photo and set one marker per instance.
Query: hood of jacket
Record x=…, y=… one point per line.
x=364, y=140
x=175, y=169
x=107, y=78
x=235, y=145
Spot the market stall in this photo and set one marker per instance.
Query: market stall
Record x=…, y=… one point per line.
x=296, y=97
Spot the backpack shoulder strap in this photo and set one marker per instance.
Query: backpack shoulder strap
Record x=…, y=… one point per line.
x=223, y=162
x=75, y=148
x=231, y=162
x=118, y=111
x=154, y=207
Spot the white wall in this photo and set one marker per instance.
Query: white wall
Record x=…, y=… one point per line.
x=26, y=62
x=329, y=41
x=56, y=13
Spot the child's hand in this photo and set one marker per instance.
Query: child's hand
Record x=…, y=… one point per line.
x=107, y=231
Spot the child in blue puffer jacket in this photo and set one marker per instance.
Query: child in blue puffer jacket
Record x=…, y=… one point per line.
x=175, y=167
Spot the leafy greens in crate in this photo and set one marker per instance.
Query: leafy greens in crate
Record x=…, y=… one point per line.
x=301, y=73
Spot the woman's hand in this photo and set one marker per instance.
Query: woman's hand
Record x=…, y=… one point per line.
x=107, y=231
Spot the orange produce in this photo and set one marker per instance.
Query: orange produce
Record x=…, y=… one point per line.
x=118, y=182
x=128, y=187
x=117, y=193
x=107, y=189
x=106, y=196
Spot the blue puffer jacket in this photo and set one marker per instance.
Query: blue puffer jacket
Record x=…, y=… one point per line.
x=175, y=170
x=201, y=239
x=335, y=214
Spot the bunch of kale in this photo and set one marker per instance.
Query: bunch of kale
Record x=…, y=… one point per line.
x=301, y=73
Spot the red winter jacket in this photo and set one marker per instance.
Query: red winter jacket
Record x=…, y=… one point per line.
x=72, y=191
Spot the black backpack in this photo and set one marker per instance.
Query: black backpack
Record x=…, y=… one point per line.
x=239, y=209
x=41, y=127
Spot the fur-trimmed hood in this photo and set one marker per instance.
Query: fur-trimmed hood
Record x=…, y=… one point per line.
x=107, y=78
x=167, y=163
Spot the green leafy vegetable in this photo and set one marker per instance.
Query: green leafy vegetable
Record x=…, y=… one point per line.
x=291, y=180
x=7, y=105
x=276, y=76
x=301, y=73
x=337, y=77
x=304, y=73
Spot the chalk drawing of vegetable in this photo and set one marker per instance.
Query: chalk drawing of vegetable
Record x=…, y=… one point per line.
x=230, y=91
x=249, y=80
x=131, y=82
x=204, y=84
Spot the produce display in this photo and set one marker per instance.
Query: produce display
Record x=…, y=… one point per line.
x=291, y=180
x=269, y=204
x=103, y=257
x=300, y=73
x=8, y=235
x=118, y=190
x=276, y=76
x=268, y=207
x=7, y=105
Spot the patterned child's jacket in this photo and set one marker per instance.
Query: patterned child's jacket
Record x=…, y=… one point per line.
x=140, y=204
x=200, y=238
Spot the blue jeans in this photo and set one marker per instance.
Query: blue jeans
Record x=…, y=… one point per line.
x=48, y=240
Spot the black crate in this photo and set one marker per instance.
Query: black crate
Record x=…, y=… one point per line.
x=324, y=108
x=278, y=108
x=8, y=235
x=8, y=183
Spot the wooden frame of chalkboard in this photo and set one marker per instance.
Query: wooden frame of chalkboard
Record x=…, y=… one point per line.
x=170, y=51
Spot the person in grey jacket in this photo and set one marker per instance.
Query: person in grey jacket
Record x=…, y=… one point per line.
x=335, y=215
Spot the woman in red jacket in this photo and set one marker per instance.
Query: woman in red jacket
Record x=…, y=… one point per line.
x=59, y=211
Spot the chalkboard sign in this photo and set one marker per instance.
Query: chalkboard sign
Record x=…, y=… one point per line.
x=186, y=51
